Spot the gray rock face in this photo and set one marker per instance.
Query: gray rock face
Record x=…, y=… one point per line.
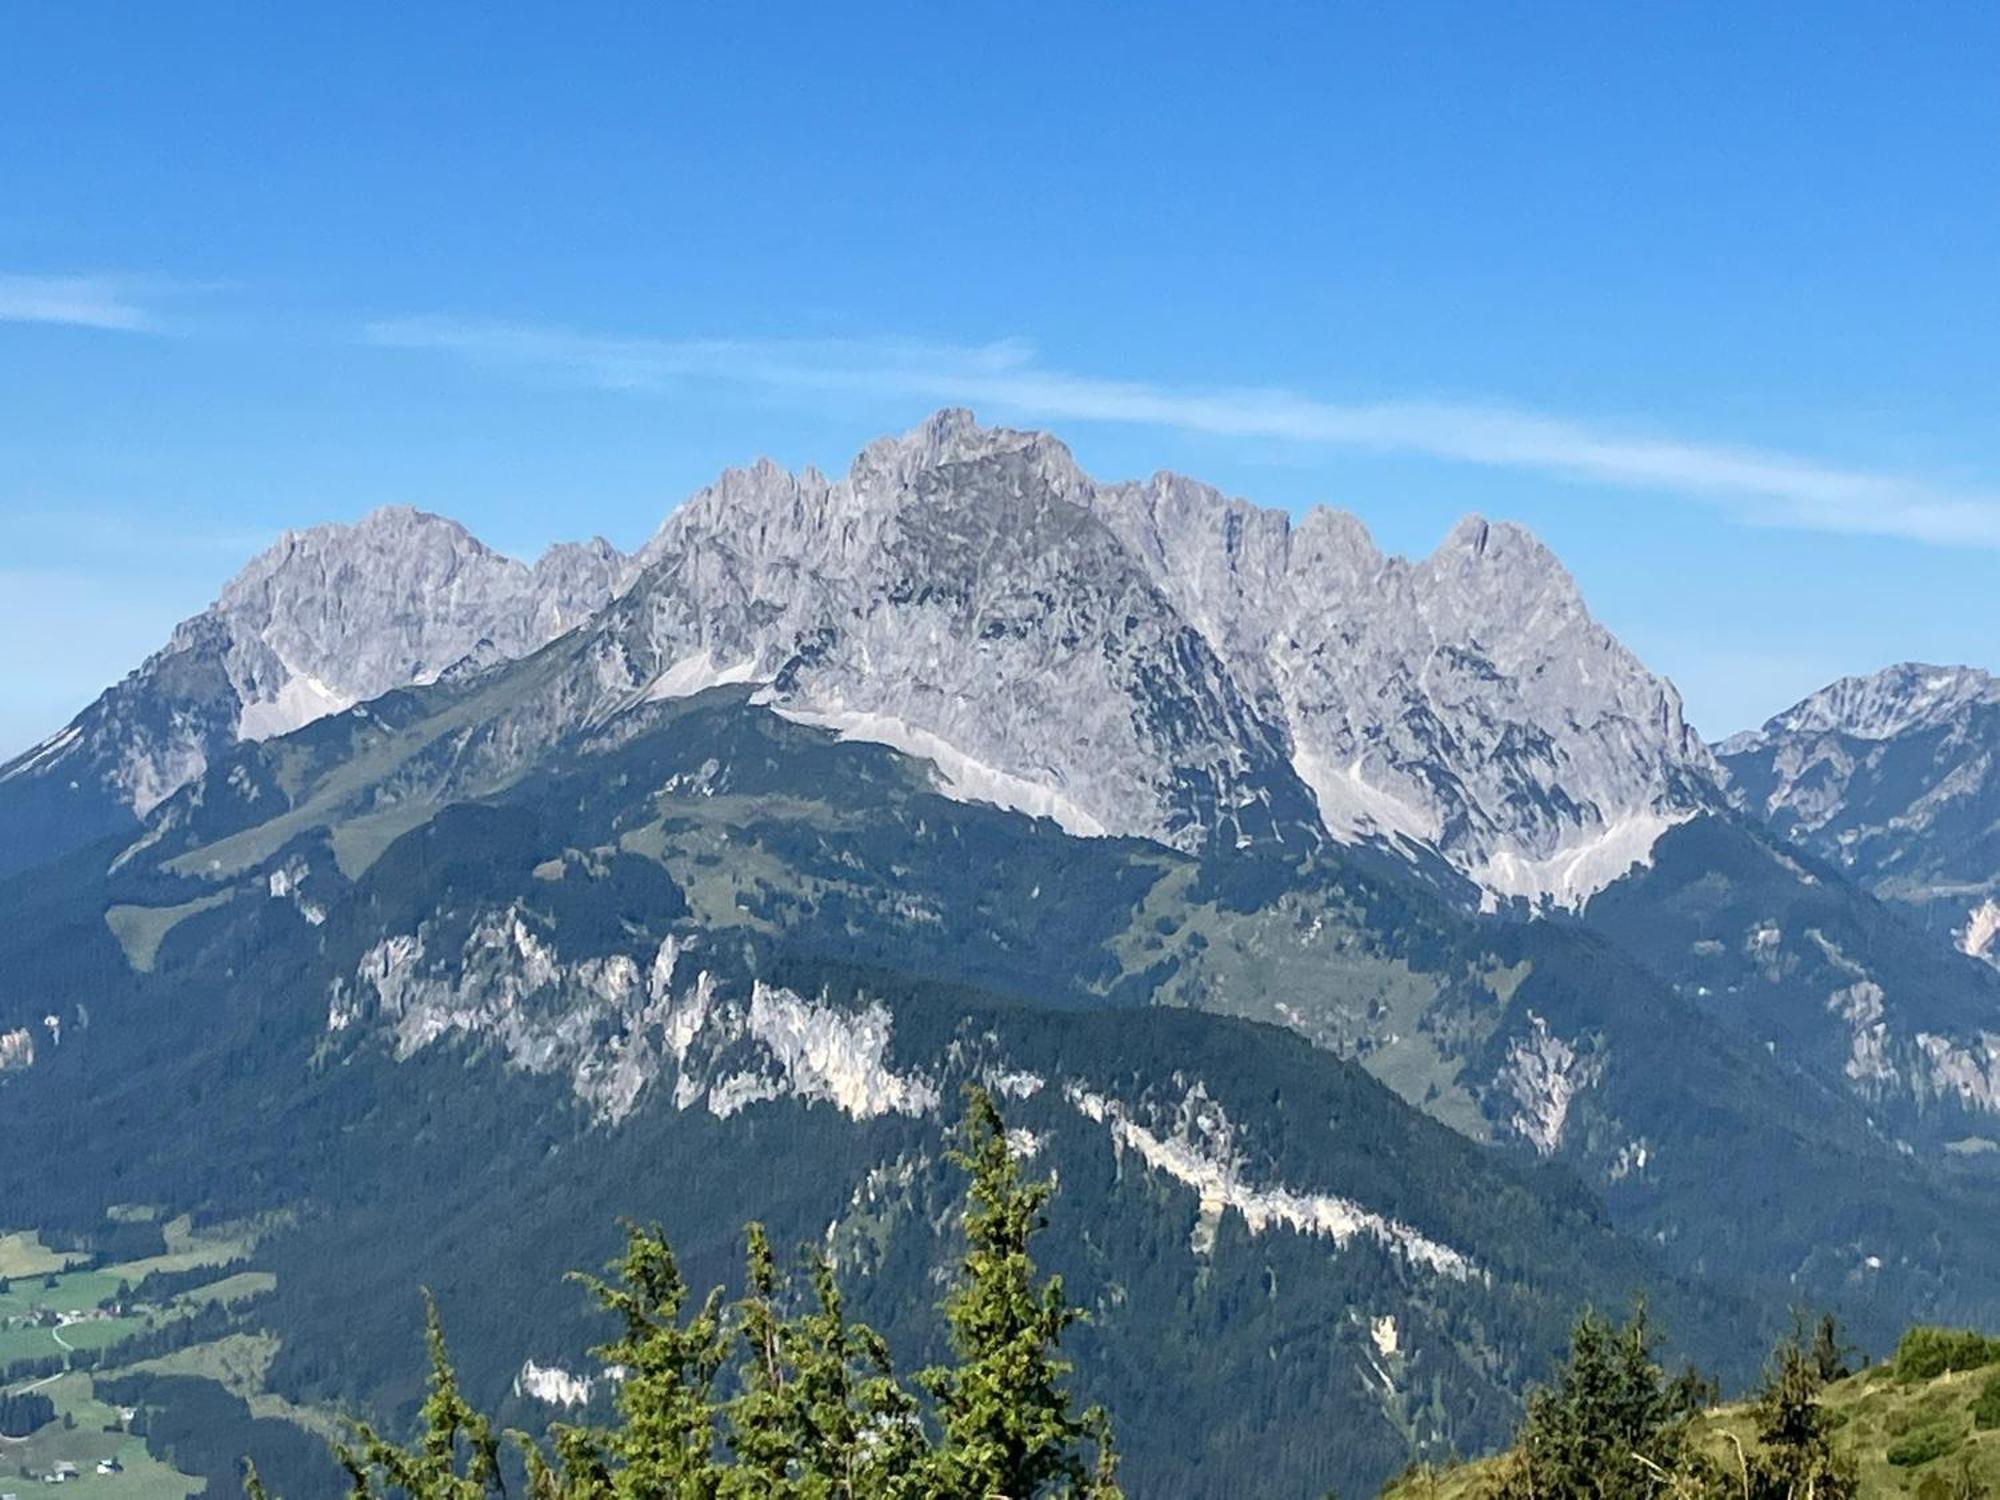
x=1146, y=659
x=1883, y=706
x=340, y=614
x=1155, y=659
x=1468, y=700
x=1893, y=778
x=955, y=597
x=324, y=619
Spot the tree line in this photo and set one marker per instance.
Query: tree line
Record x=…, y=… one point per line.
x=24, y=1412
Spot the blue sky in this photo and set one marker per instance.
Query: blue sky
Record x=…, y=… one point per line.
x=1704, y=294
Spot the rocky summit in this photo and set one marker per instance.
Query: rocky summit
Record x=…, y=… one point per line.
x=1146, y=659
x=324, y=619
x=1895, y=779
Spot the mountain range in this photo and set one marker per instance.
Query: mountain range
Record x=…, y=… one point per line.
x=1172, y=659
x=1370, y=947
x=1893, y=779
x=323, y=620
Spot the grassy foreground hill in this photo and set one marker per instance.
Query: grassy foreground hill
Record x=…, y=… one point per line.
x=1925, y=1424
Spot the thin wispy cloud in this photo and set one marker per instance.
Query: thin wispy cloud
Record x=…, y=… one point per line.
x=150, y=531
x=1754, y=486
x=80, y=301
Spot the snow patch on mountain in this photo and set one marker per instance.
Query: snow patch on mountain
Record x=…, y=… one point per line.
x=1572, y=875
x=301, y=698
x=1199, y=1151
x=698, y=673
x=1353, y=809
x=46, y=754
x=959, y=776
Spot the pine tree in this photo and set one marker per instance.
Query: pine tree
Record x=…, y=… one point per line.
x=1009, y=1425
x=1611, y=1424
x=865, y=1432
x=457, y=1457
x=664, y=1444
x=1797, y=1461
x=763, y=1420
x=1829, y=1352
x=813, y=1409
x=820, y=1415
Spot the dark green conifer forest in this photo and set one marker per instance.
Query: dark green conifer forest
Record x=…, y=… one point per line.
x=781, y=1394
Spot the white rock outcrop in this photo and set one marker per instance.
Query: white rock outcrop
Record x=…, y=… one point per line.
x=614, y=1025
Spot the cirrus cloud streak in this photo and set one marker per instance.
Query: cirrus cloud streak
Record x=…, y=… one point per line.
x=77, y=301
x=1754, y=486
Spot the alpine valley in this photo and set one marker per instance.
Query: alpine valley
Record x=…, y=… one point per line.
x=1370, y=951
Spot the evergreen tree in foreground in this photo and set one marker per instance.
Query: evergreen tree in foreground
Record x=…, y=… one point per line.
x=1797, y=1461
x=1009, y=1428
x=781, y=1396
x=1829, y=1353
x=1611, y=1426
x=459, y=1455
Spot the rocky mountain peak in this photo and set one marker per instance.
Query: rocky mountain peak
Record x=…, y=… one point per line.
x=324, y=618
x=953, y=598
x=339, y=614
x=1471, y=535
x=1153, y=658
x=1499, y=570
x=1880, y=705
x=568, y=557
x=954, y=436
x=573, y=580
x=1893, y=776
x=393, y=539
x=1467, y=700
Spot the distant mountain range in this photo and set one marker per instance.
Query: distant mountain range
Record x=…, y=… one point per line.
x=1227, y=847
x=1894, y=779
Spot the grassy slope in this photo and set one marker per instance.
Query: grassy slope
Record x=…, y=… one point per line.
x=236, y=1362
x=23, y=1254
x=145, y=1478
x=1874, y=1410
